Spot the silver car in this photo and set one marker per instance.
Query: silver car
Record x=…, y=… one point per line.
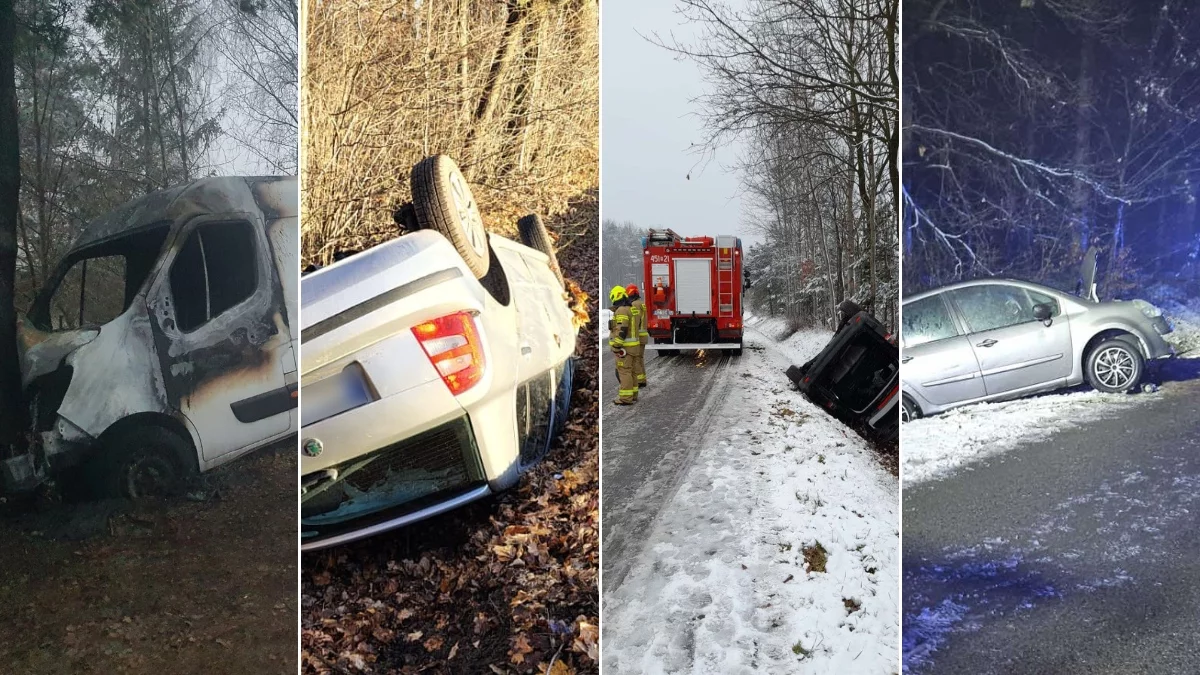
x=436, y=367
x=992, y=339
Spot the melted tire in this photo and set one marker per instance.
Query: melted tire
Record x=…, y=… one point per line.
x=141, y=462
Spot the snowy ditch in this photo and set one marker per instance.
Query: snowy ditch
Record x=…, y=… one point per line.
x=777, y=552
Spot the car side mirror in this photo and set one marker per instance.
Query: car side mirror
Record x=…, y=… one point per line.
x=1042, y=312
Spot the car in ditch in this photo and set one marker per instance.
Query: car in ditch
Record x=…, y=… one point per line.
x=161, y=345
x=855, y=378
x=437, y=366
x=993, y=339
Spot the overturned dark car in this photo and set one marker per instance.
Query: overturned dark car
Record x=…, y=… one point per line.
x=856, y=377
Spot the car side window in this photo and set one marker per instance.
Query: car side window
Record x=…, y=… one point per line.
x=993, y=306
x=927, y=320
x=216, y=268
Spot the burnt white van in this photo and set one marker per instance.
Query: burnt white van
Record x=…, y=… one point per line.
x=161, y=346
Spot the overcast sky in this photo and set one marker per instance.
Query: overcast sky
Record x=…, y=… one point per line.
x=647, y=128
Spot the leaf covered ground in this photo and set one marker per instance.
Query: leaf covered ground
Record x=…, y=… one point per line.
x=506, y=585
x=181, y=587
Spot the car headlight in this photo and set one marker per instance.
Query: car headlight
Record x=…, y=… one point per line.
x=1148, y=310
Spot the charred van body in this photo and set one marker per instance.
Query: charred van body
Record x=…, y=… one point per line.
x=162, y=344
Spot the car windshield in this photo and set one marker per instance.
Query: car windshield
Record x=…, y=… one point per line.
x=96, y=285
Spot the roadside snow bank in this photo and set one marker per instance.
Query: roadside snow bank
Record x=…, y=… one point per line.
x=1184, y=311
x=777, y=553
x=936, y=446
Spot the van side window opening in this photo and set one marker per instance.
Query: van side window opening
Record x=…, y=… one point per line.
x=101, y=282
x=215, y=270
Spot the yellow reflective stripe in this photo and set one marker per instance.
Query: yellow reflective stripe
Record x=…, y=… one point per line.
x=626, y=392
x=620, y=318
x=632, y=343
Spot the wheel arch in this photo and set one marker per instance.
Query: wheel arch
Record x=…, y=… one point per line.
x=905, y=397
x=1114, y=332
x=156, y=419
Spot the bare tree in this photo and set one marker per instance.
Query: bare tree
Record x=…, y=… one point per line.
x=259, y=42
x=13, y=413
x=509, y=89
x=1027, y=145
x=811, y=87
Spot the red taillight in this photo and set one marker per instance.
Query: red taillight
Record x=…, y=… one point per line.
x=887, y=398
x=453, y=346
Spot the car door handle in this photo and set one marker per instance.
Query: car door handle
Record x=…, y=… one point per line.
x=906, y=359
x=986, y=343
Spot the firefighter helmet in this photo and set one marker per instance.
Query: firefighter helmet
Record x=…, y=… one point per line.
x=631, y=289
x=617, y=293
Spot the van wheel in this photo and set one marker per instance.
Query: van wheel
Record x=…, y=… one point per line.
x=442, y=201
x=1114, y=366
x=535, y=235
x=908, y=410
x=142, y=462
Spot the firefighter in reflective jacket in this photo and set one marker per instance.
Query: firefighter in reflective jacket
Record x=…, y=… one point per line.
x=641, y=328
x=621, y=339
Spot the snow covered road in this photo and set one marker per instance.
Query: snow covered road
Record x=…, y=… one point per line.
x=744, y=530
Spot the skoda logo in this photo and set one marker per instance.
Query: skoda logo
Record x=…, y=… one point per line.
x=312, y=447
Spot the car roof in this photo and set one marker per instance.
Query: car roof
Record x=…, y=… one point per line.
x=982, y=281
x=215, y=194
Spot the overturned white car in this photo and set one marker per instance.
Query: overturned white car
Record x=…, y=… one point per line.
x=436, y=367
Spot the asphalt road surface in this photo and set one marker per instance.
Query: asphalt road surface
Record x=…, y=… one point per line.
x=1076, y=554
x=649, y=446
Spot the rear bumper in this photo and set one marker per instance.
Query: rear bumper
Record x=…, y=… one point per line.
x=365, y=530
x=395, y=485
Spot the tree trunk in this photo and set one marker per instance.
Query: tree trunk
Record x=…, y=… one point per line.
x=13, y=413
x=1081, y=198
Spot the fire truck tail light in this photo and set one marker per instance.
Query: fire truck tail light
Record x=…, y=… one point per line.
x=453, y=346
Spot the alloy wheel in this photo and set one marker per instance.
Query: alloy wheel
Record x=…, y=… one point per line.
x=1115, y=367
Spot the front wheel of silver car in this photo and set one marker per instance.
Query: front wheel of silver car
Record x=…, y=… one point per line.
x=908, y=410
x=1114, y=366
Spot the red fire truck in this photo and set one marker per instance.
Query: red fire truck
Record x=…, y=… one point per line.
x=693, y=291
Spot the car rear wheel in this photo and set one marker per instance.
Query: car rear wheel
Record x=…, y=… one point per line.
x=1114, y=366
x=535, y=235
x=908, y=410
x=142, y=462
x=442, y=201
